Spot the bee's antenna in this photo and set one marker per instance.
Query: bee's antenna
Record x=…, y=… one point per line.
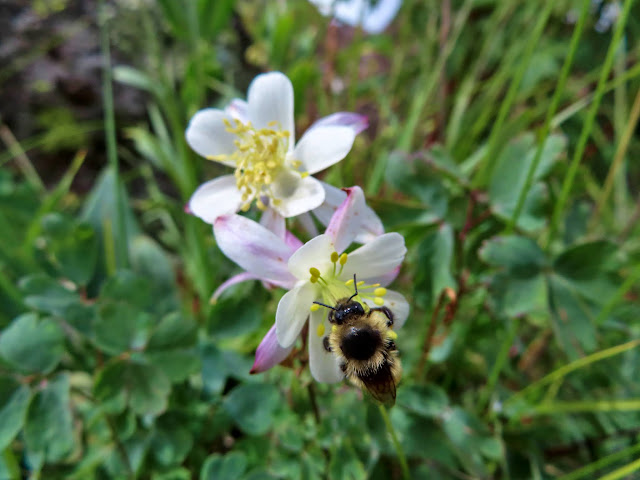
x=324, y=305
x=355, y=285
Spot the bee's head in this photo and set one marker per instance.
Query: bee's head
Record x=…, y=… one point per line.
x=345, y=309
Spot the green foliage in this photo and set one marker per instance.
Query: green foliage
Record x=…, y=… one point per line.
x=521, y=350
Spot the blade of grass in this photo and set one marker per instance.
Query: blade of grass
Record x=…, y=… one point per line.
x=587, y=407
x=486, y=165
x=629, y=282
x=573, y=366
x=25, y=165
x=588, y=125
x=592, y=468
x=618, y=158
x=625, y=471
x=119, y=240
x=555, y=101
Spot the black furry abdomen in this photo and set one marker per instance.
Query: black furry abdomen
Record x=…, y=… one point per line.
x=360, y=343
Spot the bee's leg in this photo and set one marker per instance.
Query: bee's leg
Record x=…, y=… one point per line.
x=325, y=344
x=387, y=312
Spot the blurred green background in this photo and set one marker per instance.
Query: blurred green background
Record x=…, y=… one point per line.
x=503, y=145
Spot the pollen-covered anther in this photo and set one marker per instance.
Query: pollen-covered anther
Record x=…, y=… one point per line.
x=391, y=334
x=320, y=330
x=380, y=292
x=314, y=307
x=343, y=259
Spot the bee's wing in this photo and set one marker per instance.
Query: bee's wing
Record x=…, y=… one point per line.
x=381, y=384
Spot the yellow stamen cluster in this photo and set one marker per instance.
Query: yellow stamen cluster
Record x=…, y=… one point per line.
x=259, y=159
x=334, y=289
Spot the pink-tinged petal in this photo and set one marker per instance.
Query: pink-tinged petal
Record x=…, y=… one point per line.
x=274, y=222
x=254, y=248
x=323, y=365
x=215, y=198
x=355, y=121
x=315, y=253
x=241, y=277
x=238, y=109
x=346, y=222
x=377, y=258
x=398, y=306
x=293, y=311
x=269, y=352
x=308, y=195
x=294, y=242
x=307, y=224
x=371, y=225
x=270, y=99
x=207, y=134
x=321, y=147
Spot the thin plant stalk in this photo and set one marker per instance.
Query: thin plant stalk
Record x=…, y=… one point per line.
x=588, y=124
x=488, y=161
x=396, y=443
x=618, y=158
x=555, y=101
x=119, y=233
x=590, y=469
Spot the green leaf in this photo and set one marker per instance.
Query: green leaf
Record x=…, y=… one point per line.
x=218, y=365
x=145, y=387
x=32, y=346
x=435, y=256
x=587, y=267
x=173, y=331
x=252, y=407
x=128, y=287
x=228, y=467
x=14, y=400
x=509, y=177
x=171, y=442
x=573, y=318
x=71, y=247
x=345, y=463
x=48, y=429
x=120, y=328
x=231, y=317
x=177, y=365
x=47, y=295
x=148, y=260
x=424, y=400
x=519, y=287
x=9, y=466
x=468, y=435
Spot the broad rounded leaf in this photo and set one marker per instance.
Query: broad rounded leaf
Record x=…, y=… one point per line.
x=252, y=407
x=14, y=400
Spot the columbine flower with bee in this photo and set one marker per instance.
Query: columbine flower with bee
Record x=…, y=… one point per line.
x=319, y=270
x=257, y=139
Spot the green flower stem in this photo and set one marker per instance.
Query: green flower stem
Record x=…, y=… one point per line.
x=588, y=124
x=564, y=75
x=621, y=472
x=396, y=443
x=492, y=148
x=119, y=232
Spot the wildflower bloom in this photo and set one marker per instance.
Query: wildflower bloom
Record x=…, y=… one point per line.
x=257, y=139
x=374, y=17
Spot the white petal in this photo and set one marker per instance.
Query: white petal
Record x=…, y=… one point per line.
x=207, y=134
x=376, y=258
x=355, y=121
x=346, y=222
x=307, y=224
x=371, y=226
x=269, y=352
x=216, y=197
x=308, y=195
x=315, y=253
x=321, y=147
x=291, y=240
x=254, y=248
x=377, y=19
x=270, y=99
x=397, y=304
x=324, y=365
x=274, y=222
x=293, y=311
x=238, y=109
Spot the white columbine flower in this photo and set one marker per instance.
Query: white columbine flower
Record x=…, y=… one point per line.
x=318, y=270
x=374, y=17
x=257, y=139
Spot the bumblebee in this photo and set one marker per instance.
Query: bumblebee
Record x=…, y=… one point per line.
x=362, y=340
